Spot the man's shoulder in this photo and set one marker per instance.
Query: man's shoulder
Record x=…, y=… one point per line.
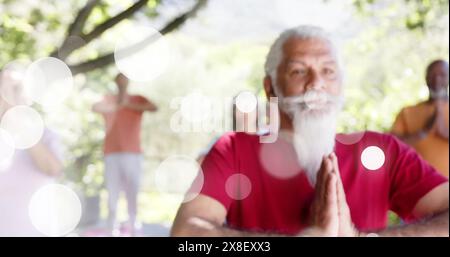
x=365, y=138
x=378, y=135
x=415, y=107
x=231, y=138
x=138, y=97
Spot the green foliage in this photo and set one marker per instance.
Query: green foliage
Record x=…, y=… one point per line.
x=418, y=12
x=15, y=39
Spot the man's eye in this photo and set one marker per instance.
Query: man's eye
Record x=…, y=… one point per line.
x=299, y=72
x=329, y=72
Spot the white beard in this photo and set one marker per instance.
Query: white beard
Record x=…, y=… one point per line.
x=313, y=138
x=314, y=130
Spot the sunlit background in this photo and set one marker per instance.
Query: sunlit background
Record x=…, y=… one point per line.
x=214, y=48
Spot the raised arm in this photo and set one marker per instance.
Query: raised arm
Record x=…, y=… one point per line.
x=141, y=106
x=400, y=131
x=104, y=107
x=45, y=159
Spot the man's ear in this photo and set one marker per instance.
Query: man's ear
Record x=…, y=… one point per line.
x=268, y=87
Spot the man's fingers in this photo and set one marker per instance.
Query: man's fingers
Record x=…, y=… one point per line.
x=336, y=171
x=334, y=162
x=320, y=179
x=325, y=179
x=320, y=174
x=341, y=198
x=331, y=196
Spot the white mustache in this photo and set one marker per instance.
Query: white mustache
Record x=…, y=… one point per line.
x=312, y=100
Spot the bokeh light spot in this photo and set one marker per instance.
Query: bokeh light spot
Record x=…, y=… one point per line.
x=54, y=210
x=372, y=158
x=142, y=53
x=238, y=186
x=24, y=124
x=179, y=174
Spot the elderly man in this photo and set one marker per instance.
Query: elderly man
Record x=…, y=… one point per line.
x=338, y=190
x=424, y=126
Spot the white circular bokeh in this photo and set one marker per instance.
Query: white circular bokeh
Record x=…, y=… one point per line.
x=246, y=102
x=55, y=210
x=279, y=158
x=24, y=124
x=372, y=158
x=12, y=88
x=6, y=149
x=179, y=174
x=238, y=186
x=48, y=81
x=195, y=107
x=142, y=53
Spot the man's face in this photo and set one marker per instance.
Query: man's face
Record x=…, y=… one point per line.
x=437, y=77
x=308, y=64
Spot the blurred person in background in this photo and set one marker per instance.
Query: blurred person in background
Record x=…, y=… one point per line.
x=122, y=114
x=28, y=170
x=424, y=126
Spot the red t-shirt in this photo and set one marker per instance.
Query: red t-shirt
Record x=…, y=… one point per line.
x=123, y=127
x=281, y=205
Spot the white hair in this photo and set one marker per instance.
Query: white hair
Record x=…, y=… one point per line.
x=275, y=54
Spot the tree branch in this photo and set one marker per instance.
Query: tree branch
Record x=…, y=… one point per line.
x=109, y=58
x=92, y=64
x=97, y=31
x=182, y=18
x=75, y=29
x=69, y=45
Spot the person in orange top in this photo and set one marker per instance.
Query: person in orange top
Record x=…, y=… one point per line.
x=425, y=125
x=122, y=150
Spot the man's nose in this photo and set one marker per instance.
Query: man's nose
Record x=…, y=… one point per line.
x=315, y=81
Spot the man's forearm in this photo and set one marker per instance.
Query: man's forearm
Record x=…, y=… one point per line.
x=434, y=226
x=229, y=232
x=138, y=107
x=203, y=228
x=45, y=160
x=104, y=108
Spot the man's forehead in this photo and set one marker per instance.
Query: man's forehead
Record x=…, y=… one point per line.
x=297, y=49
x=303, y=59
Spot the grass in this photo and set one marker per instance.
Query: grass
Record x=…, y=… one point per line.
x=153, y=207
